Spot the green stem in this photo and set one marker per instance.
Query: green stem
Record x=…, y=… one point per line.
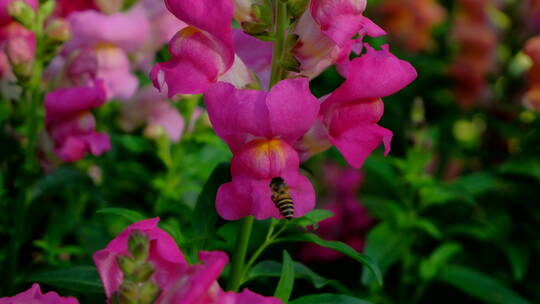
x=282, y=21
x=239, y=254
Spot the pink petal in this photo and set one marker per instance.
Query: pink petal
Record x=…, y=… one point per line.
x=358, y=143
x=98, y=143
x=292, y=109
x=34, y=296
x=212, y=16
x=67, y=102
x=237, y=115
x=373, y=75
x=339, y=19
x=196, y=54
x=249, y=297
x=264, y=159
x=114, y=69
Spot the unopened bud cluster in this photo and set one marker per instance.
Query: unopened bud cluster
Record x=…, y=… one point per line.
x=137, y=287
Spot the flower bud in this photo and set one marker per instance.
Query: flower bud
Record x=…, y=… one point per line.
x=254, y=28
x=143, y=272
x=20, y=54
x=297, y=7
x=138, y=245
x=22, y=13
x=58, y=30
x=126, y=264
x=148, y=293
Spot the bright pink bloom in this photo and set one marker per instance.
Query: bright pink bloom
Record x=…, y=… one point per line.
x=352, y=111
x=164, y=255
x=203, y=50
x=70, y=123
x=34, y=296
x=152, y=107
x=260, y=129
x=326, y=32
x=350, y=221
x=108, y=41
x=179, y=282
x=5, y=18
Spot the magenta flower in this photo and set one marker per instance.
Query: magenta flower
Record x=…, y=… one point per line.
x=326, y=32
x=70, y=123
x=349, y=115
x=178, y=281
x=34, y=296
x=256, y=54
x=107, y=42
x=260, y=129
x=203, y=50
x=152, y=107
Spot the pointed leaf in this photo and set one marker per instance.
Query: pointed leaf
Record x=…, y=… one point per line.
x=338, y=246
x=79, y=278
x=132, y=216
x=286, y=280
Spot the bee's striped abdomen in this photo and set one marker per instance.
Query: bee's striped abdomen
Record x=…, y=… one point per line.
x=281, y=197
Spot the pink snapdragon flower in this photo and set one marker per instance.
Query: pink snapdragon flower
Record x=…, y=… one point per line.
x=108, y=42
x=152, y=107
x=350, y=221
x=34, y=296
x=349, y=115
x=178, y=281
x=260, y=129
x=70, y=123
x=326, y=31
x=203, y=50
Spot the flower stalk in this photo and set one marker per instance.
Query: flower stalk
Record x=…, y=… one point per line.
x=239, y=254
x=282, y=21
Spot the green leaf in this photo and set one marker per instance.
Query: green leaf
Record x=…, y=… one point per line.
x=79, y=278
x=286, y=280
x=529, y=168
x=479, y=285
x=205, y=216
x=312, y=218
x=440, y=256
x=338, y=246
x=301, y=271
x=441, y=194
x=384, y=245
x=132, y=216
x=427, y=226
x=328, y=298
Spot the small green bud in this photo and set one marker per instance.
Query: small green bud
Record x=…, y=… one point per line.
x=46, y=9
x=22, y=13
x=129, y=292
x=254, y=28
x=262, y=13
x=143, y=272
x=58, y=30
x=138, y=245
x=148, y=293
x=297, y=7
x=127, y=265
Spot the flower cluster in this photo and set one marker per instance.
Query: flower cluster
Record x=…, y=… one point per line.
x=271, y=131
x=476, y=38
x=144, y=262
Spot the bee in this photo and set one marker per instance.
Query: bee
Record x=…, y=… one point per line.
x=281, y=197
